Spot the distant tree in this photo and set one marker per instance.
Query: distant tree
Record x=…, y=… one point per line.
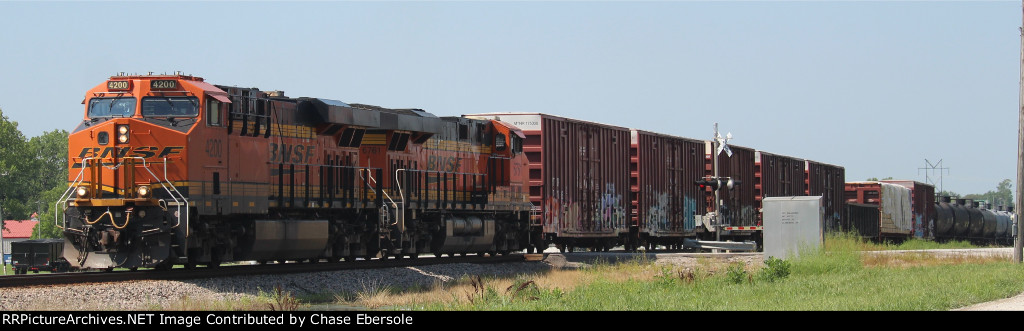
x=47, y=227
x=875, y=179
x=15, y=169
x=49, y=161
x=1004, y=193
x=29, y=169
x=1001, y=196
x=948, y=194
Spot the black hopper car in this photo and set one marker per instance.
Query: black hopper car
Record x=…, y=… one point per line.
x=39, y=255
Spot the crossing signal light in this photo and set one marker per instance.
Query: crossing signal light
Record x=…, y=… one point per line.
x=706, y=183
x=716, y=184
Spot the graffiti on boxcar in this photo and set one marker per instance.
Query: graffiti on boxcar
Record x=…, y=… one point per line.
x=657, y=213
x=689, y=209
x=611, y=210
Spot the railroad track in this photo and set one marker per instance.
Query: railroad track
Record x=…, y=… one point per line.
x=239, y=270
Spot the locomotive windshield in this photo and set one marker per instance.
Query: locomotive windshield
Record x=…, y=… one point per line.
x=170, y=106
x=110, y=107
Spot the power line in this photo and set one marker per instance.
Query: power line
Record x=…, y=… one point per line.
x=933, y=168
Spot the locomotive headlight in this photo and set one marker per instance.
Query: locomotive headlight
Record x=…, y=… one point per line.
x=122, y=133
x=83, y=191
x=143, y=191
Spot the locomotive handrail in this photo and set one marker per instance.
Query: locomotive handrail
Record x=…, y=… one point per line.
x=175, y=189
x=70, y=191
x=384, y=206
x=170, y=191
x=370, y=175
x=401, y=195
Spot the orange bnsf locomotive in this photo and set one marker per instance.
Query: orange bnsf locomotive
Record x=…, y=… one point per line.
x=169, y=169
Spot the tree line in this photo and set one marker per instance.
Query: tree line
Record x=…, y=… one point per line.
x=33, y=175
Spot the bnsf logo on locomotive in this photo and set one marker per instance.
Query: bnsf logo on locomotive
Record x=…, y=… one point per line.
x=140, y=151
x=443, y=163
x=285, y=153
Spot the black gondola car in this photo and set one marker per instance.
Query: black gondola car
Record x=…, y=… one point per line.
x=39, y=255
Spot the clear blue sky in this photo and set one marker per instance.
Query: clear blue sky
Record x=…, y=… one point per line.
x=876, y=87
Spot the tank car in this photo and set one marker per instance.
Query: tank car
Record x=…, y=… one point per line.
x=170, y=169
x=965, y=219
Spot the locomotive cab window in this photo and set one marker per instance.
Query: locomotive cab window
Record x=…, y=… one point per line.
x=499, y=142
x=517, y=144
x=170, y=106
x=112, y=107
x=213, y=113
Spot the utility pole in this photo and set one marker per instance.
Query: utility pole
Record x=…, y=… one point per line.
x=1018, y=246
x=937, y=166
x=2, y=226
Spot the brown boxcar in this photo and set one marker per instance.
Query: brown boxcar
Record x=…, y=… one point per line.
x=740, y=207
x=579, y=178
x=923, y=206
x=779, y=176
x=827, y=181
x=664, y=197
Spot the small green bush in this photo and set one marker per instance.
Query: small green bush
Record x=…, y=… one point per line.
x=775, y=269
x=737, y=274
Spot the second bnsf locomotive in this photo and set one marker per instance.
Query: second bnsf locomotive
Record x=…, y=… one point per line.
x=169, y=169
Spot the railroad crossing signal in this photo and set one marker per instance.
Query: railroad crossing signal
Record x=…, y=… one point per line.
x=723, y=143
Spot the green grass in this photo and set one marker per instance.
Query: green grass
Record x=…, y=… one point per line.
x=854, y=242
x=831, y=279
x=835, y=277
